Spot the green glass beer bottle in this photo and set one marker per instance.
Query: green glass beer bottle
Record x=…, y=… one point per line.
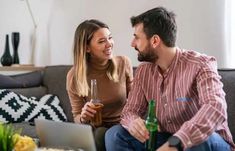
x=152, y=126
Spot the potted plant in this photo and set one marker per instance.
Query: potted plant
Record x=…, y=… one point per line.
x=7, y=139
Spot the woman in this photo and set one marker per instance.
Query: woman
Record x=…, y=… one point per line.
x=93, y=59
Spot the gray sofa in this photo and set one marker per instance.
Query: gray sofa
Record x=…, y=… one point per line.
x=49, y=80
x=52, y=80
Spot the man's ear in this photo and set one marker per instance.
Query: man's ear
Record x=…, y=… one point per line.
x=155, y=41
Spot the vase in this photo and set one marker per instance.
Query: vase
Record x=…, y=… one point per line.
x=6, y=59
x=15, y=39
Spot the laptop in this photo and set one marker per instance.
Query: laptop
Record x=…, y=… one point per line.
x=65, y=135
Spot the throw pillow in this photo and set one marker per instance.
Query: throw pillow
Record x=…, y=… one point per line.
x=15, y=108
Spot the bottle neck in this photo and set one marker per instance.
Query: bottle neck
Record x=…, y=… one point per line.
x=93, y=90
x=151, y=110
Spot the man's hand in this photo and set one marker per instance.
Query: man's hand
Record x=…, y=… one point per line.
x=165, y=147
x=138, y=130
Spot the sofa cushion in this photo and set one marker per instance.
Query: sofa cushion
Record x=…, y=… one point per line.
x=55, y=80
x=17, y=108
x=25, y=80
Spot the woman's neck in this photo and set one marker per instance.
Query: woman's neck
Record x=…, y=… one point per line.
x=98, y=64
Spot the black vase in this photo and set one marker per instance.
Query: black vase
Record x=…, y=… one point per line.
x=15, y=39
x=6, y=59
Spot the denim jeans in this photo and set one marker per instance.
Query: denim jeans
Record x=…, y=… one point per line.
x=118, y=138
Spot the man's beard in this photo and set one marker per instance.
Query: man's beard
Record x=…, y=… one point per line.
x=147, y=55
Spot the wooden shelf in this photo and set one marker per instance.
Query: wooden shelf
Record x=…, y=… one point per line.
x=18, y=69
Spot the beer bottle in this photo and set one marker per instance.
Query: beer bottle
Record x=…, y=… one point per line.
x=97, y=105
x=94, y=91
x=152, y=126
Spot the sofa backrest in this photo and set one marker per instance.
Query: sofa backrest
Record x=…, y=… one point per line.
x=228, y=79
x=54, y=80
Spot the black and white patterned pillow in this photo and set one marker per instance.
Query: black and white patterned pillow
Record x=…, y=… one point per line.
x=15, y=108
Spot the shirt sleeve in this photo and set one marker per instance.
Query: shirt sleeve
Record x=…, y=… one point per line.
x=136, y=103
x=76, y=102
x=213, y=107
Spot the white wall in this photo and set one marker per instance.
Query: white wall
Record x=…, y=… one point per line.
x=200, y=25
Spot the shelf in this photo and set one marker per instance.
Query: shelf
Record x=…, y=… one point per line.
x=18, y=69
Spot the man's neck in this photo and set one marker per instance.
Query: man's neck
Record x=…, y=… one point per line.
x=166, y=56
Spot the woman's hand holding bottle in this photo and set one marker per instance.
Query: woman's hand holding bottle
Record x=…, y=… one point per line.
x=87, y=113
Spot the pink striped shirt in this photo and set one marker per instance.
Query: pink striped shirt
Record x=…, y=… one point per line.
x=189, y=97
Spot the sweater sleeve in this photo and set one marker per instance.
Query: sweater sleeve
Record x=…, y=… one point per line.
x=129, y=74
x=76, y=102
x=136, y=103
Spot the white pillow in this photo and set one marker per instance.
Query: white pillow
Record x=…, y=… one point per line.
x=15, y=108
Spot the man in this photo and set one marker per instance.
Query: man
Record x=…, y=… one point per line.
x=191, y=106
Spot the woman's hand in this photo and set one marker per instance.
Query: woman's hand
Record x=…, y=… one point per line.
x=87, y=112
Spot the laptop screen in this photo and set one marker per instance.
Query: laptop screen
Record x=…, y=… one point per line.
x=65, y=135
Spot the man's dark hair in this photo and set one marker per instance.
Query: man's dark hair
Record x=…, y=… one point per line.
x=158, y=21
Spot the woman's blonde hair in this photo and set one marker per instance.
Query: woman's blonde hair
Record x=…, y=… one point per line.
x=82, y=38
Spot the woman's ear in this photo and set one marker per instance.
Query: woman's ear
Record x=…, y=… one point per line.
x=88, y=49
x=155, y=41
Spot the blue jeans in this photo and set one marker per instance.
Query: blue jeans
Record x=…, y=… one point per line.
x=118, y=138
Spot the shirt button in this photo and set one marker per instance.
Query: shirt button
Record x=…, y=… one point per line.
x=168, y=121
x=165, y=105
x=163, y=98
